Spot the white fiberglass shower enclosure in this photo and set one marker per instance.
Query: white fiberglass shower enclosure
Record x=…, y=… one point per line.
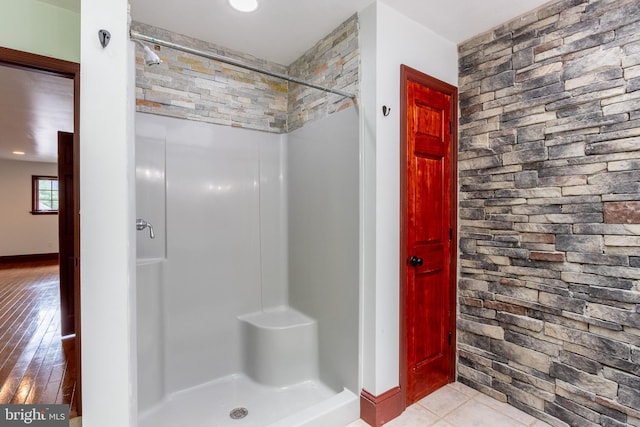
x=248, y=296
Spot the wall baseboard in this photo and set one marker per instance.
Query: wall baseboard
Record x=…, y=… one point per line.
x=51, y=258
x=378, y=410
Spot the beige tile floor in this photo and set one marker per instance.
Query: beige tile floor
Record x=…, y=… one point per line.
x=457, y=405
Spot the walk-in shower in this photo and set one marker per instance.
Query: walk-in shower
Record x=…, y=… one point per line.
x=248, y=296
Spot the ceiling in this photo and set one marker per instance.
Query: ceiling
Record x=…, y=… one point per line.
x=460, y=20
x=282, y=30
x=34, y=106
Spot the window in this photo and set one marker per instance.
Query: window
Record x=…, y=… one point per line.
x=45, y=195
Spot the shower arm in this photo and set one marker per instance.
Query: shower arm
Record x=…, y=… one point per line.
x=136, y=36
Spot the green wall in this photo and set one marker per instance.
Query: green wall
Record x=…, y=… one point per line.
x=38, y=27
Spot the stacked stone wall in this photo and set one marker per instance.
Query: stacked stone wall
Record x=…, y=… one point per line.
x=195, y=88
x=333, y=63
x=549, y=175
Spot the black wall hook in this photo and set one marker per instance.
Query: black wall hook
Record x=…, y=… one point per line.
x=104, y=36
x=386, y=110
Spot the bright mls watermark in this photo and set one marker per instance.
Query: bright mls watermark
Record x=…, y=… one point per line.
x=34, y=415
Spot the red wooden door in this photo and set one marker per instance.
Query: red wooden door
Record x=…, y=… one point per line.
x=428, y=237
x=66, y=232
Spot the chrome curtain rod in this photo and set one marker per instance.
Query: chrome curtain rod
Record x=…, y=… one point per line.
x=138, y=36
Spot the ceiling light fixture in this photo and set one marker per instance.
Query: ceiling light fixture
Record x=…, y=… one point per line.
x=18, y=153
x=244, y=5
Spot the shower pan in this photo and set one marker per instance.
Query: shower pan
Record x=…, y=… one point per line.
x=248, y=296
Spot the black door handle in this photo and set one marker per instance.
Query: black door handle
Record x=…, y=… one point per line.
x=415, y=261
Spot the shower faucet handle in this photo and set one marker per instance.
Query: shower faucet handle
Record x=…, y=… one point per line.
x=141, y=224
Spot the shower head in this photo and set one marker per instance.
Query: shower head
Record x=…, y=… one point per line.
x=150, y=57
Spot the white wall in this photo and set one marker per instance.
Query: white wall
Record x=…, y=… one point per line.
x=151, y=187
x=223, y=192
x=388, y=39
x=150, y=331
x=323, y=239
x=150, y=148
x=42, y=28
x=21, y=232
x=107, y=241
x=213, y=272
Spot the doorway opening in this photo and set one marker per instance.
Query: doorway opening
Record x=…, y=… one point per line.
x=34, y=287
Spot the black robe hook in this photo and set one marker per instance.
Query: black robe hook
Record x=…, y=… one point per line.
x=104, y=36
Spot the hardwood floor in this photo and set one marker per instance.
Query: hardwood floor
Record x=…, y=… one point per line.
x=36, y=365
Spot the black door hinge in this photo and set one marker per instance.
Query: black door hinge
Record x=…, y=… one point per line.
x=449, y=338
x=451, y=127
x=450, y=233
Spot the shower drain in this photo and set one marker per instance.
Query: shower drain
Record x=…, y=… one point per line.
x=238, y=413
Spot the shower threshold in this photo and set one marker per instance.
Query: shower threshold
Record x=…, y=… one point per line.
x=210, y=404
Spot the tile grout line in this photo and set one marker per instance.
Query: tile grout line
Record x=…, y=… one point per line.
x=507, y=415
x=467, y=398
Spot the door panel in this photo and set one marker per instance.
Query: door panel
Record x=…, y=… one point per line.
x=66, y=230
x=431, y=354
x=428, y=250
x=428, y=199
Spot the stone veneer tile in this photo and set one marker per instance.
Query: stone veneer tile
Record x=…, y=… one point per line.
x=561, y=89
x=194, y=88
x=622, y=212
